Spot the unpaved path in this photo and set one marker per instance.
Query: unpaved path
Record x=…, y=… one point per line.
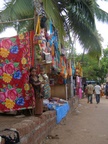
x=86, y=125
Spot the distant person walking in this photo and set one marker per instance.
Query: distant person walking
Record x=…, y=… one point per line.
x=90, y=90
x=106, y=90
x=97, y=92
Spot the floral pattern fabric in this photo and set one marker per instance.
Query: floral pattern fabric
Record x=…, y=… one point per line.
x=14, y=73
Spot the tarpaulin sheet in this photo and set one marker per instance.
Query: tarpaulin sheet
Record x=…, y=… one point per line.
x=15, y=62
x=61, y=112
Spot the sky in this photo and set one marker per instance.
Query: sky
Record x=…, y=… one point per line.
x=101, y=27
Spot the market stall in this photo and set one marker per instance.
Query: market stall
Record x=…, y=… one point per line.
x=18, y=54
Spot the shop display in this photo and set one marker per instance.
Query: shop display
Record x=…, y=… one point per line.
x=19, y=53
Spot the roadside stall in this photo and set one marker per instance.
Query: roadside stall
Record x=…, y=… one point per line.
x=17, y=55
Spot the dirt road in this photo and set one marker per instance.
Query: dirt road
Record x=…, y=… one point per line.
x=88, y=124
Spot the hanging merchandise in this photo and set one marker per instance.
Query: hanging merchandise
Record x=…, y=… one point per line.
x=43, y=45
x=80, y=71
x=54, y=36
x=77, y=69
x=69, y=69
x=51, y=27
x=38, y=52
x=55, y=40
x=61, y=66
x=43, y=22
x=48, y=57
x=54, y=62
x=57, y=53
x=60, y=80
x=56, y=59
x=62, y=71
x=52, y=50
x=37, y=36
x=65, y=73
x=45, y=48
x=48, y=48
x=47, y=90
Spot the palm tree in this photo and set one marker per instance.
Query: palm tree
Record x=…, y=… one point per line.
x=73, y=16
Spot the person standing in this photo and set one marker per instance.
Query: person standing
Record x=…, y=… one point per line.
x=97, y=92
x=36, y=84
x=90, y=90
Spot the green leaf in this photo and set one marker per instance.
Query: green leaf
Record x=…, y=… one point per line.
x=13, y=39
x=9, y=86
x=2, y=90
x=3, y=103
x=0, y=77
x=0, y=65
x=19, y=90
x=7, y=61
x=16, y=64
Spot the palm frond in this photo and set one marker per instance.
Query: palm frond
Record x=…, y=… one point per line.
x=85, y=10
x=16, y=10
x=87, y=36
x=100, y=14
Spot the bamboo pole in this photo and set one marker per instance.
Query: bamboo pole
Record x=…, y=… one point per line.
x=35, y=23
x=16, y=20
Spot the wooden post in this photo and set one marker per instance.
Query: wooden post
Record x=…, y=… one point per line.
x=35, y=22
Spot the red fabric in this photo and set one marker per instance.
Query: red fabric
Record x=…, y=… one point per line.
x=15, y=93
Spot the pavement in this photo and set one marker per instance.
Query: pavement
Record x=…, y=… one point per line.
x=7, y=120
x=87, y=124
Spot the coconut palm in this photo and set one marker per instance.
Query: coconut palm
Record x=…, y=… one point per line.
x=74, y=16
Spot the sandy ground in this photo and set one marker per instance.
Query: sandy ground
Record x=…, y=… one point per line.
x=88, y=124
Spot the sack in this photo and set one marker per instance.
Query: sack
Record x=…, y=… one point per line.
x=10, y=136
